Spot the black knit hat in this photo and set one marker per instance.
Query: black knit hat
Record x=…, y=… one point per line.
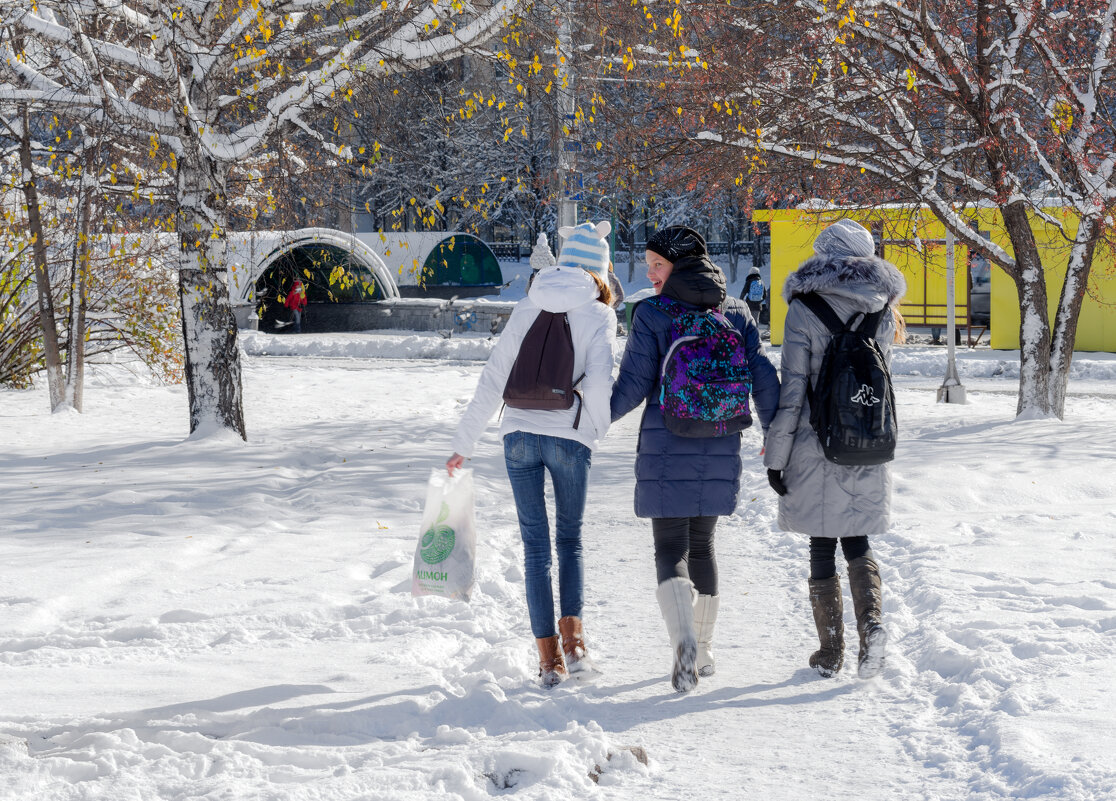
x=676, y=242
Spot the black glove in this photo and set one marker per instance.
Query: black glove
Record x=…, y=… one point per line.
x=775, y=479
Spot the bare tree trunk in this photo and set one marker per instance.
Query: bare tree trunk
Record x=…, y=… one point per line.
x=213, y=379
x=1069, y=312
x=1034, y=322
x=631, y=250
x=79, y=271
x=733, y=249
x=51, y=353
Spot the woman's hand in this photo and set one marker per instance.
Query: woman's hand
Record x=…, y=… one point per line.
x=454, y=462
x=775, y=479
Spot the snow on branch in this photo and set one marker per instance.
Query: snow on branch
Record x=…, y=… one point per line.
x=407, y=49
x=182, y=57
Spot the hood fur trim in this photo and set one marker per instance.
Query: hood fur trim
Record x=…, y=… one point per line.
x=820, y=273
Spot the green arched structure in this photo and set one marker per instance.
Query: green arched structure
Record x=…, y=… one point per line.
x=437, y=264
x=462, y=260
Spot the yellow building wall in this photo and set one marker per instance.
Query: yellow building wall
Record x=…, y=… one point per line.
x=1096, y=327
x=793, y=232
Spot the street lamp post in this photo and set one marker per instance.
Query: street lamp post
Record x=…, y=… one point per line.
x=569, y=179
x=951, y=390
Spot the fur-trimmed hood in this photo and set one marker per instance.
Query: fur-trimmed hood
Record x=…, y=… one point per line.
x=856, y=276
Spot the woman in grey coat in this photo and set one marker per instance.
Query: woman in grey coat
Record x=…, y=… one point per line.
x=828, y=501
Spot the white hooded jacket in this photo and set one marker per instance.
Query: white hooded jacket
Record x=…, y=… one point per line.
x=593, y=328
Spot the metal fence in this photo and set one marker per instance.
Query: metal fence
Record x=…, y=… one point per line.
x=509, y=250
x=517, y=251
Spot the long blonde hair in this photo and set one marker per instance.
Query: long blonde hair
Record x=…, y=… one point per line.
x=900, y=326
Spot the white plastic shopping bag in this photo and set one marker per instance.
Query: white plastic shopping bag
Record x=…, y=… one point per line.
x=447, y=546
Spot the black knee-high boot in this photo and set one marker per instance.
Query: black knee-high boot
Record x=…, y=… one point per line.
x=864, y=583
x=825, y=600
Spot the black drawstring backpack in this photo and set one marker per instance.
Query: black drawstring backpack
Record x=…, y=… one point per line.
x=542, y=376
x=852, y=404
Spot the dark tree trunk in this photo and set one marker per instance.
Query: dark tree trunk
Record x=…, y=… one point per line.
x=1034, y=322
x=51, y=351
x=1080, y=265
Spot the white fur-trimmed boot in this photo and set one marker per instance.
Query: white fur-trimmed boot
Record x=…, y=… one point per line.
x=705, y=618
x=676, y=600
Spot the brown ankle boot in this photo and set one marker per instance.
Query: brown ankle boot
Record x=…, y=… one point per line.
x=552, y=668
x=573, y=643
x=825, y=601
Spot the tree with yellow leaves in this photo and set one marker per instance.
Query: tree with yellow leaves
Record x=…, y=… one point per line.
x=208, y=82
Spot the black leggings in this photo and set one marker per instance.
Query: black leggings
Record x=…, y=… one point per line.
x=823, y=552
x=684, y=549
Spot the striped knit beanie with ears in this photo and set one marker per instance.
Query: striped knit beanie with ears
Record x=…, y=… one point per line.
x=586, y=246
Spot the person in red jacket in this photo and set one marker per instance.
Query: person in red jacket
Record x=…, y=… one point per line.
x=296, y=302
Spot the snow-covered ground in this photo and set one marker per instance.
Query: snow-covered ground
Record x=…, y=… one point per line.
x=207, y=619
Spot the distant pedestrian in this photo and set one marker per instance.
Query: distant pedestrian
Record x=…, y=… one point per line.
x=828, y=501
x=683, y=483
x=296, y=302
x=754, y=293
x=617, y=290
x=540, y=258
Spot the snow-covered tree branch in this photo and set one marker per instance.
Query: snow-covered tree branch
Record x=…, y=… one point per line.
x=955, y=104
x=209, y=83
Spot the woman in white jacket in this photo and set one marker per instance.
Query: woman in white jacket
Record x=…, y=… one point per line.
x=540, y=441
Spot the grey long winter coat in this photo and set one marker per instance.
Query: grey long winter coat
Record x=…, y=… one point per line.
x=825, y=499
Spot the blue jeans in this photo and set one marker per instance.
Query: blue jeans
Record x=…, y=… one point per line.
x=526, y=456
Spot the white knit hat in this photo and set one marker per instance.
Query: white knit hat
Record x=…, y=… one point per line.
x=541, y=257
x=843, y=239
x=586, y=246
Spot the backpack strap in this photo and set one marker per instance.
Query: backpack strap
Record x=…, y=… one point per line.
x=823, y=311
x=580, y=403
x=664, y=304
x=675, y=309
x=871, y=323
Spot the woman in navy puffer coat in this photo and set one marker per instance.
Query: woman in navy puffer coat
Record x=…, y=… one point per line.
x=683, y=484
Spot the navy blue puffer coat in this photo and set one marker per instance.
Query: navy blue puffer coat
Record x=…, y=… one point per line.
x=683, y=476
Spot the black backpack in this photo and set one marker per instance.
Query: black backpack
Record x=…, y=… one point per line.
x=542, y=376
x=852, y=405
